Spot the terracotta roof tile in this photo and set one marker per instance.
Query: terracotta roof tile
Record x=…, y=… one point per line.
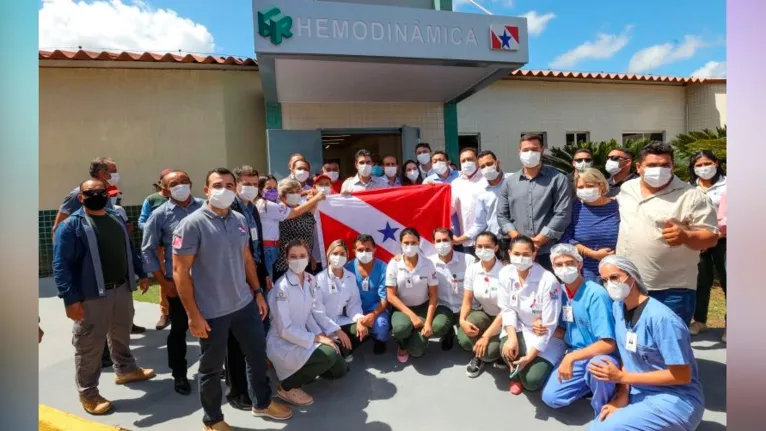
x=145, y=57
x=523, y=73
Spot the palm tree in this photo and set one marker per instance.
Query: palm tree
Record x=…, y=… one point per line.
x=561, y=158
x=687, y=144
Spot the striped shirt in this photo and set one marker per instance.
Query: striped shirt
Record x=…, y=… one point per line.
x=595, y=227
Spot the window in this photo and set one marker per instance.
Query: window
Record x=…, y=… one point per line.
x=577, y=137
x=652, y=136
x=543, y=134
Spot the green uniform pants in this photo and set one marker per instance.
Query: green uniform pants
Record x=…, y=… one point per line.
x=482, y=321
x=353, y=335
x=324, y=362
x=535, y=374
x=409, y=338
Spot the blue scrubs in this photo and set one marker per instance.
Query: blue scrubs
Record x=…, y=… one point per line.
x=593, y=321
x=662, y=340
x=372, y=294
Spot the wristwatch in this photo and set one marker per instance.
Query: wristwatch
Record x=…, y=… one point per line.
x=258, y=291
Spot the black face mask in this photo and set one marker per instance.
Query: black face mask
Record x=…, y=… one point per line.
x=95, y=202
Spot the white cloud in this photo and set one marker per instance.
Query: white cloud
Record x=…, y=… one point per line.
x=119, y=25
x=605, y=46
x=490, y=5
x=659, y=55
x=711, y=69
x=536, y=23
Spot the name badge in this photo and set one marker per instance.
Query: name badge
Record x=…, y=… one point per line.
x=514, y=299
x=408, y=282
x=631, y=342
x=455, y=284
x=366, y=284
x=334, y=287
x=567, y=313
x=254, y=233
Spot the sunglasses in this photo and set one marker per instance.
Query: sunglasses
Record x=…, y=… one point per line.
x=582, y=160
x=616, y=158
x=93, y=193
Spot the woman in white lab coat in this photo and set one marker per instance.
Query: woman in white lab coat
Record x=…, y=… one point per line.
x=529, y=293
x=299, y=344
x=336, y=288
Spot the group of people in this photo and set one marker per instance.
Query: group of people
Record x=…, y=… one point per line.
x=577, y=285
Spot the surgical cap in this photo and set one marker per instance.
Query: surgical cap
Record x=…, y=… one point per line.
x=627, y=266
x=565, y=250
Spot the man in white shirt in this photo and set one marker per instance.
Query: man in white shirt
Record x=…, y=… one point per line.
x=363, y=180
x=465, y=190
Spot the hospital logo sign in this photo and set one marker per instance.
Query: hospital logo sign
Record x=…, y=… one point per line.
x=274, y=26
x=503, y=38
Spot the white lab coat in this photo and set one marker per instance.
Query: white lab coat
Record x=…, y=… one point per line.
x=339, y=297
x=296, y=318
x=539, y=297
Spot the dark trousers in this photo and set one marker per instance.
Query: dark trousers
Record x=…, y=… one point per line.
x=502, y=252
x=681, y=301
x=179, y=325
x=236, y=369
x=544, y=260
x=245, y=325
x=712, y=261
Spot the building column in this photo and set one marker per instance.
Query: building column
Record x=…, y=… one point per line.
x=451, y=132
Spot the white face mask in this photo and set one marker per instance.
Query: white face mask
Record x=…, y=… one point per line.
x=490, y=172
x=588, y=195
x=567, y=274
x=390, y=171
x=424, y=158
x=180, y=192
x=293, y=199
x=115, y=179
x=618, y=291
x=612, y=167
x=410, y=250
x=657, y=176
x=248, y=193
x=364, y=170
x=221, y=198
x=706, y=172
x=364, y=257
x=468, y=168
x=298, y=266
x=439, y=167
x=301, y=175
x=326, y=190
x=522, y=263
x=337, y=261
x=530, y=159
x=413, y=174
x=485, y=254
x=581, y=166
x=443, y=248
x=334, y=175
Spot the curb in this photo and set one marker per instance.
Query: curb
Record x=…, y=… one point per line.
x=55, y=420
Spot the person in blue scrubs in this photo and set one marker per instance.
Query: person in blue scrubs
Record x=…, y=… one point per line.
x=658, y=387
x=370, y=276
x=587, y=327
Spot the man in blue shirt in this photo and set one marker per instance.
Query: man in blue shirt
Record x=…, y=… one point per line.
x=371, y=280
x=158, y=234
x=587, y=327
x=442, y=173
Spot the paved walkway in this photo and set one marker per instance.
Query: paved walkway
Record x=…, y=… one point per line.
x=379, y=394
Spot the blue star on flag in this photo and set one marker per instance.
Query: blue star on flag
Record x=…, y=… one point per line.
x=506, y=39
x=388, y=232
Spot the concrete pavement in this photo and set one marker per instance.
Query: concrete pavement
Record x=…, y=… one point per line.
x=379, y=394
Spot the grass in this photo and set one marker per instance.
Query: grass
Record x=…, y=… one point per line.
x=152, y=295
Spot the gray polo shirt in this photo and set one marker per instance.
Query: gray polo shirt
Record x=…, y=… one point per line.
x=218, y=272
x=158, y=231
x=540, y=205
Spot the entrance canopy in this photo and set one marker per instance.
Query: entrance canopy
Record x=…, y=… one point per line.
x=322, y=51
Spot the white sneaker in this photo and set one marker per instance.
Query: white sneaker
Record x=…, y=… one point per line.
x=297, y=397
x=696, y=328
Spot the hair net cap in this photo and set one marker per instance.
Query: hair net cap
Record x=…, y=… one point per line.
x=565, y=250
x=625, y=265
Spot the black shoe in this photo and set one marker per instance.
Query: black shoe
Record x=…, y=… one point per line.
x=475, y=367
x=449, y=340
x=378, y=347
x=500, y=364
x=241, y=402
x=182, y=386
x=135, y=329
x=106, y=363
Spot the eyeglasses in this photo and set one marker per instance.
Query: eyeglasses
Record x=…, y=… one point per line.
x=614, y=278
x=616, y=158
x=93, y=193
x=583, y=160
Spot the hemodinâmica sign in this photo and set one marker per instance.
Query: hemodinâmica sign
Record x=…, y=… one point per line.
x=311, y=28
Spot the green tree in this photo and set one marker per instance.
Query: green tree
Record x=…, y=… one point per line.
x=561, y=158
x=687, y=144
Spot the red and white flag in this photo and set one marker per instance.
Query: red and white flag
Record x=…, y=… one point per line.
x=383, y=214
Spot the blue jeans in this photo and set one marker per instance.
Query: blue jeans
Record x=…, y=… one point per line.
x=681, y=301
x=272, y=254
x=245, y=325
x=381, y=329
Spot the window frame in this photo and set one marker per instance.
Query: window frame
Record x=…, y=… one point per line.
x=576, y=142
x=644, y=135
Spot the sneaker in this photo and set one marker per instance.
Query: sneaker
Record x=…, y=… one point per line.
x=723, y=337
x=449, y=339
x=378, y=347
x=696, y=328
x=349, y=357
x=297, y=397
x=97, y=405
x=135, y=329
x=500, y=364
x=220, y=426
x=140, y=375
x=474, y=368
x=277, y=410
x=163, y=323
x=516, y=387
x=402, y=356
x=181, y=385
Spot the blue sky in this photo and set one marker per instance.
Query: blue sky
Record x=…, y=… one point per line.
x=662, y=37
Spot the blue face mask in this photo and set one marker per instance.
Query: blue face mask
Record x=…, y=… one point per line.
x=271, y=195
x=377, y=171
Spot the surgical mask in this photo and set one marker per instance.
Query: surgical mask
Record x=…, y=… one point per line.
x=293, y=199
x=581, y=166
x=337, y=261
x=413, y=174
x=410, y=250
x=326, y=190
x=657, y=176
x=364, y=170
x=115, y=179
x=377, y=171
x=443, y=248
x=706, y=172
x=298, y=266
x=271, y=195
x=612, y=167
x=567, y=274
x=424, y=158
x=221, y=198
x=617, y=290
x=334, y=175
x=248, y=193
x=468, y=168
x=522, y=263
x=301, y=175
x=365, y=257
x=490, y=172
x=180, y=192
x=390, y=171
x=485, y=254
x=440, y=168
x=530, y=159
x=95, y=203
x=588, y=195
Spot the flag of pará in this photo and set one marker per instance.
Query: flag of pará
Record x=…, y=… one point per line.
x=504, y=38
x=383, y=214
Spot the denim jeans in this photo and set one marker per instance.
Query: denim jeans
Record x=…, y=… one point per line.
x=681, y=301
